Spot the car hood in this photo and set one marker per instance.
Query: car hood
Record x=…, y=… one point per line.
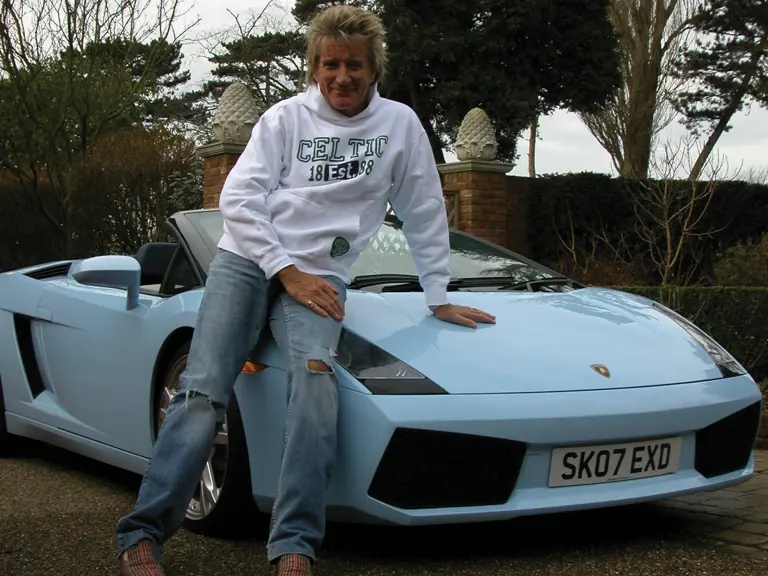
x=541, y=342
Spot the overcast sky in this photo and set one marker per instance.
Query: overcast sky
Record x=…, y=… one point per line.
x=565, y=144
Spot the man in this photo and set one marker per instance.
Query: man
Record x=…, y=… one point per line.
x=310, y=190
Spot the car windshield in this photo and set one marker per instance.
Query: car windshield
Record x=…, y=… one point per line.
x=388, y=253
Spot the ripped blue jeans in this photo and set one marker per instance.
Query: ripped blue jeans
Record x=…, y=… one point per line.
x=235, y=309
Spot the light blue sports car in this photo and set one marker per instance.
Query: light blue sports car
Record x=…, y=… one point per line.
x=578, y=397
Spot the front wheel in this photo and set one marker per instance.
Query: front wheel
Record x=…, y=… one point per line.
x=222, y=504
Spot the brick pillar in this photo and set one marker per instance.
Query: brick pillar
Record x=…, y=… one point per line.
x=218, y=159
x=483, y=198
x=235, y=118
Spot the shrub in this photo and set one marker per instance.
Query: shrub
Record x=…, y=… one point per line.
x=745, y=264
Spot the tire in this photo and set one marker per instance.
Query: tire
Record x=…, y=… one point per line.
x=234, y=511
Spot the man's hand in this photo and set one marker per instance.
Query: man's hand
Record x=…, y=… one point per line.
x=312, y=291
x=463, y=315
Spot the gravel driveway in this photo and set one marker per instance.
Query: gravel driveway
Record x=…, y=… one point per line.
x=58, y=512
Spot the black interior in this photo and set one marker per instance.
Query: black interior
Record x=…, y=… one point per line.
x=154, y=258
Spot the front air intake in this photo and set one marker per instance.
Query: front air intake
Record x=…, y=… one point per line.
x=726, y=445
x=434, y=469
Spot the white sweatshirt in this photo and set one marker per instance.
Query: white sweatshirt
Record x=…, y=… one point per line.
x=312, y=186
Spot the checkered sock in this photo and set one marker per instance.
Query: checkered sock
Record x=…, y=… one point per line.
x=139, y=560
x=294, y=565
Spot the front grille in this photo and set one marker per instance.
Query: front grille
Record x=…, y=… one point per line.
x=434, y=469
x=726, y=445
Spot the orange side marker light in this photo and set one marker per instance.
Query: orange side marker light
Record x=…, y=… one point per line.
x=253, y=367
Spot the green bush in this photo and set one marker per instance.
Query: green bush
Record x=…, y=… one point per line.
x=737, y=317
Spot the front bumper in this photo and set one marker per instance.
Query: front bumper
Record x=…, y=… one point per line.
x=415, y=460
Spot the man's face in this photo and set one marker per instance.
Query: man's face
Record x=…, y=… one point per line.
x=344, y=74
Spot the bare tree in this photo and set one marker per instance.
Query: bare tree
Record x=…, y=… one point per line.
x=669, y=211
x=757, y=175
x=262, y=49
x=667, y=214
x=602, y=256
x=533, y=134
x=651, y=35
x=68, y=74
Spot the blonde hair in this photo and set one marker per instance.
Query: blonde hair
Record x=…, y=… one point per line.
x=347, y=23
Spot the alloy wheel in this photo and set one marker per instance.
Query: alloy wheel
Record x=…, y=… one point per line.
x=209, y=488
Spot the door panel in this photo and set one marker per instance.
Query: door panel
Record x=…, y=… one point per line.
x=91, y=352
x=22, y=295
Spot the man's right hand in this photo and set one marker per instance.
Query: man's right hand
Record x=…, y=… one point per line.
x=312, y=291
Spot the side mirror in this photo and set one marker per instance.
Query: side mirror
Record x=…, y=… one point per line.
x=122, y=272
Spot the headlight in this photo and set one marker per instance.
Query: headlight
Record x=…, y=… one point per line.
x=378, y=370
x=727, y=364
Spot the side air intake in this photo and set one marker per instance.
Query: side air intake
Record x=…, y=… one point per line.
x=23, y=328
x=54, y=271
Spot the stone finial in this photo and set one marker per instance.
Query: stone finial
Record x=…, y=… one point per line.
x=476, y=139
x=236, y=116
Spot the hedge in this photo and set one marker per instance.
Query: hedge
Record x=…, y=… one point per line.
x=591, y=203
x=737, y=317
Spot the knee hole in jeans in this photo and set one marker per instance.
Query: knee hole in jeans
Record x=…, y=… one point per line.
x=320, y=361
x=318, y=366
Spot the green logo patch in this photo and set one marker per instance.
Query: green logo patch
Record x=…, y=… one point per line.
x=339, y=247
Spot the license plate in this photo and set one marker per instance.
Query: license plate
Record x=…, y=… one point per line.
x=577, y=466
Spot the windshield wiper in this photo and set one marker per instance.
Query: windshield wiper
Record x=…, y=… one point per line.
x=406, y=282
x=409, y=281
x=376, y=279
x=542, y=282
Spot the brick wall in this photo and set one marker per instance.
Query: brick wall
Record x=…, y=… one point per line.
x=483, y=204
x=215, y=170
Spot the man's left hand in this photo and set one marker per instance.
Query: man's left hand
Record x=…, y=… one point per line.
x=463, y=315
